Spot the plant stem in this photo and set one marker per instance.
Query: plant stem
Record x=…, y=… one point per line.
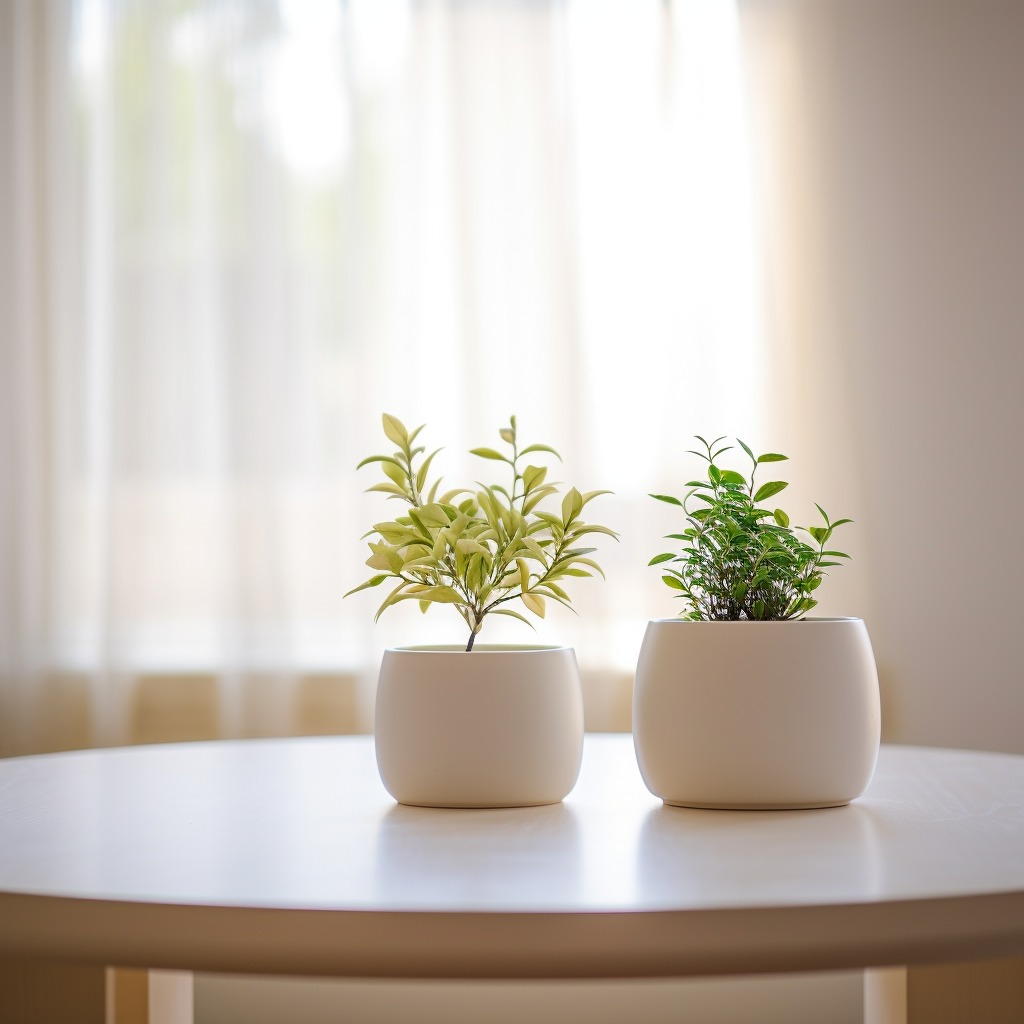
x=472, y=638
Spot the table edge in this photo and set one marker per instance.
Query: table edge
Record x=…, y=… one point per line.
x=592, y=944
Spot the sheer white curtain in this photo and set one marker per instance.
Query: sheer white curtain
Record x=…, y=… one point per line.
x=232, y=233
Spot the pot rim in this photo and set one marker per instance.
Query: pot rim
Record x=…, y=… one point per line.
x=478, y=649
x=759, y=622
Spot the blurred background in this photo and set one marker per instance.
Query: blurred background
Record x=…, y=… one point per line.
x=232, y=234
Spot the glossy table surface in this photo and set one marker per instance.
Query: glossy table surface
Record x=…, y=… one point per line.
x=288, y=856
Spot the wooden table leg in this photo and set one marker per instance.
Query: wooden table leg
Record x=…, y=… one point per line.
x=43, y=992
x=170, y=997
x=127, y=996
x=885, y=995
x=148, y=997
x=984, y=992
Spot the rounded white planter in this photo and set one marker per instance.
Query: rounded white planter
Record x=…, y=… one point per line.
x=756, y=714
x=501, y=726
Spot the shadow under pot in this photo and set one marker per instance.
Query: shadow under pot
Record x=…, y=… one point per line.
x=500, y=726
x=756, y=715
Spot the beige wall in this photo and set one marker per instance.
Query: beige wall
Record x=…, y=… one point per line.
x=928, y=169
x=891, y=147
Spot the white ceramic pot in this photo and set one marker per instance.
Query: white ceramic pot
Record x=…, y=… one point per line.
x=501, y=726
x=756, y=714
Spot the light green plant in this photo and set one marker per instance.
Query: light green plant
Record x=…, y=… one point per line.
x=489, y=549
x=739, y=561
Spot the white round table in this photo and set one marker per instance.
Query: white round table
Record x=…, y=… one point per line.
x=288, y=857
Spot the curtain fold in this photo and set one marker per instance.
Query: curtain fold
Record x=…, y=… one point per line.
x=232, y=234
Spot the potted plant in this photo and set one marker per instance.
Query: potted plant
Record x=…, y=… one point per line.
x=483, y=725
x=743, y=701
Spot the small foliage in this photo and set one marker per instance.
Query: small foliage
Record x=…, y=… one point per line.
x=739, y=561
x=490, y=548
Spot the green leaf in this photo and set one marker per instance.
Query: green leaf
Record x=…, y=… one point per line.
x=550, y=518
x=556, y=591
x=378, y=458
x=440, y=595
x=668, y=556
x=395, y=560
x=393, y=598
x=781, y=518
x=397, y=530
x=511, y=581
x=395, y=430
x=818, y=533
x=590, y=495
x=573, y=552
x=537, y=496
x=378, y=560
x=770, y=488
x=540, y=448
x=488, y=453
x=487, y=506
x=772, y=457
x=470, y=547
x=433, y=514
x=666, y=497
x=673, y=582
x=840, y=522
x=386, y=489
x=533, y=476
x=415, y=516
x=515, y=615
x=374, y=581
x=592, y=564
x=572, y=505
x=590, y=528
x=535, y=550
x=714, y=475
x=421, y=476
x=534, y=603
x=396, y=473
x=524, y=573
x=753, y=457
x=730, y=476
x=507, y=435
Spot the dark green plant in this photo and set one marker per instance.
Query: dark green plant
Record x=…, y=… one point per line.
x=740, y=561
x=492, y=547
